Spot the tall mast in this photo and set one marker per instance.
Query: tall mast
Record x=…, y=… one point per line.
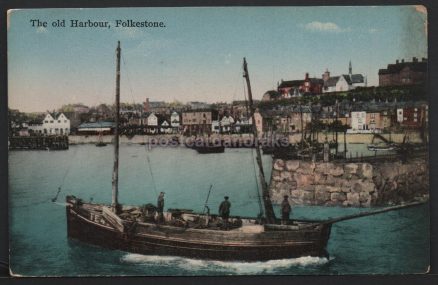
x=115, y=180
x=269, y=210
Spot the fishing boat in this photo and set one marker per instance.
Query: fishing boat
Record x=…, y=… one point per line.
x=380, y=147
x=189, y=234
x=204, y=146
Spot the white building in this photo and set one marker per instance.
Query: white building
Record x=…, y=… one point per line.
x=226, y=123
x=259, y=123
x=215, y=126
x=400, y=117
x=152, y=120
x=358, y=121
x=243, y=124
x=52, y=124
x=175, y=120
x=343, y=82
x=165, y=127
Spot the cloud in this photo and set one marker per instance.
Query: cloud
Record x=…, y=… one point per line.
x=373, y=31
x=324, y=27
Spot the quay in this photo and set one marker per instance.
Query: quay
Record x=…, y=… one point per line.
x=38, y=143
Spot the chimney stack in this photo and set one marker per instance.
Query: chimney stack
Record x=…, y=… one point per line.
x=403, y=60
x=423, y=59
x=396, y=62
x=326, y=75
x=146, y=105
x=307, y=76
x=414, y=59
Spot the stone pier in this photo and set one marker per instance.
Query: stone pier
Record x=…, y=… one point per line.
x=349, y=184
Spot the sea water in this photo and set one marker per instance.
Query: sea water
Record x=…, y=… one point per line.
x=388, y=243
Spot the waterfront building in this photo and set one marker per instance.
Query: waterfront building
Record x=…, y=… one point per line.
x=299, y=119
x=164, y=123
x=259, y=122
x=215, y=126
x=152, y=123
x=52, y=124
x=96, y=128
x=412, y=116
x=358, y=121
x=197, y=121
x=404, y=73
x=243, y=125
x=226, y=124
x=175, y=121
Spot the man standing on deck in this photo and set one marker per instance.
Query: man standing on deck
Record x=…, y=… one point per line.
x=224, y=211
x=285, y=210
x=160, y=206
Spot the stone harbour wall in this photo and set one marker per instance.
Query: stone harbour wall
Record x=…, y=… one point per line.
x=348, y=184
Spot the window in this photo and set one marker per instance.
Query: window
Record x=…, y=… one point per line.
x=46, y=121
x=51, y=121
x=59, y=121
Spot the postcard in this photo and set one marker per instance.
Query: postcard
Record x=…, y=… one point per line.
x=218, y=141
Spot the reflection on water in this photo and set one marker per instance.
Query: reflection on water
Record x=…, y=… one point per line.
x=393, y=242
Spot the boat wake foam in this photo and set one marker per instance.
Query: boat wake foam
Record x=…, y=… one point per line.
x=238, y=267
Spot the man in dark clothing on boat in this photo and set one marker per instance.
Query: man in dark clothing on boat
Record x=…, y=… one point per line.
x=285, y=210
x=160, y=206
x=224, y=211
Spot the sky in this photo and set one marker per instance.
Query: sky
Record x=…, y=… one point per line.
x=198, y=55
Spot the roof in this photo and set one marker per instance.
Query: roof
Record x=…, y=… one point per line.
x=272, y=94
x=162, y=118
x=197, y=110
x=331, y=81
x=96, y=125
x=290, y=83
x=347, y=78
x=420, y=66
x=316, y=80
x=357, y=78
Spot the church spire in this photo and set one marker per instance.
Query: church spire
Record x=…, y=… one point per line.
x=350, y=69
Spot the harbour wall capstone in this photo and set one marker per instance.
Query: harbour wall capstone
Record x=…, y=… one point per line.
x=349, y=184
x=414, y=137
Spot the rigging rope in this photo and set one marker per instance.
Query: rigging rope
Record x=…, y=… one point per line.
x=63, y=178
x=252, y=154
x=129, y=80
x=150, y=171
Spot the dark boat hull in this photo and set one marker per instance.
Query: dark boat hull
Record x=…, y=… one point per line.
x=221, y=245
x=210, y=149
